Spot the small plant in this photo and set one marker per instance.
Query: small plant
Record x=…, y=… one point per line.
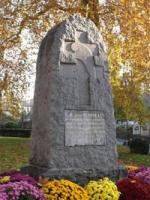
x=63, y=189
x=139, y=145
x=103, y=189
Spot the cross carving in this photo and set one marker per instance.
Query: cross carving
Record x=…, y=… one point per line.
x=70, y=51
x=79, y=60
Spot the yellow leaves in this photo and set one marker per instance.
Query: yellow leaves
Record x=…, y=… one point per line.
x=128, y=46
x=134, y=31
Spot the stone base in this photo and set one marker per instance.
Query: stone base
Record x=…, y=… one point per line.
x=79, y=176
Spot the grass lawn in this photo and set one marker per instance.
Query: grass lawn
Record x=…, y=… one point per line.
x=14, y=153
x=132, y=158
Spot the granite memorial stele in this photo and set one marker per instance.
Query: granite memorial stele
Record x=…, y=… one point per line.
x=73, y=130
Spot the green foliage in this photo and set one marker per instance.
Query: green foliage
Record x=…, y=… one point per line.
x=27, y=197
x=12, y=125
x=8, y=121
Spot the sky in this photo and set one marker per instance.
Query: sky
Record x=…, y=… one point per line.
x=31, y=58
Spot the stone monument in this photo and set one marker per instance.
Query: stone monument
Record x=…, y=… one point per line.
x=73, y=133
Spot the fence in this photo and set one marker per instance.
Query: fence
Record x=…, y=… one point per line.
x=15, y=132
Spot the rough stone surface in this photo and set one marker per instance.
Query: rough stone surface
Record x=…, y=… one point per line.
x=73, y=78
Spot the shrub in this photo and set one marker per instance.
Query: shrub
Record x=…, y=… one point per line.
x=103, y=189
x=133, y=189
x=63, y=189
x=139, y=145
x=12, y=125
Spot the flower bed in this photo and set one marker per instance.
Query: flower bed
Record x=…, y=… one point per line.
x=133, y=189
x=21, y=190
x=137, y=185
x=16, y=176
x=142, y=174
x=16, y=186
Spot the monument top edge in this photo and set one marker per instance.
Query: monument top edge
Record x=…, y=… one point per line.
x=76, y=23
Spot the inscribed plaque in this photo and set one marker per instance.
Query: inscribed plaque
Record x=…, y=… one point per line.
x=84, y=128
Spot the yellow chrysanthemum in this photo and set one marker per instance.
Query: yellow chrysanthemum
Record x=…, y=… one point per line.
x=131, y=167
x=63, y=189
x=102, y=189
x=5, y=179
